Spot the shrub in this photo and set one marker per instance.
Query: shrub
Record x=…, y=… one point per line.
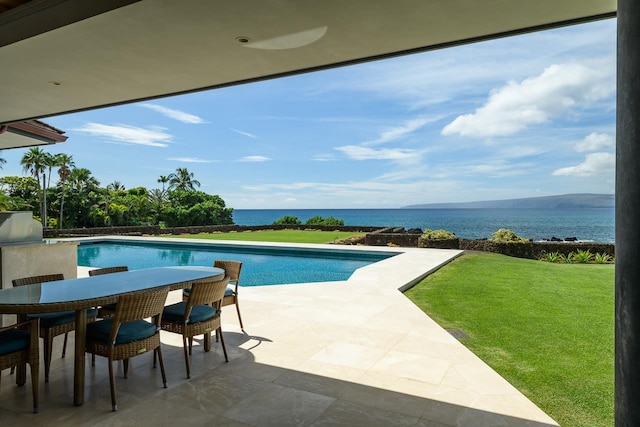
x=437, y=235
x=288, y=220
x=553, y=257
x=319, y=220
x=602, y=258
x=506, y=235
x=580, y=257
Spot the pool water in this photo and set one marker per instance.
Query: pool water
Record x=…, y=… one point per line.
x=260, y=265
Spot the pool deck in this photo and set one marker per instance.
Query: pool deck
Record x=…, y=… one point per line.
x=354, y=352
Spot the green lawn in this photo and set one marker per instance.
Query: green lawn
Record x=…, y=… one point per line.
x=286, y=236
x=546, y=328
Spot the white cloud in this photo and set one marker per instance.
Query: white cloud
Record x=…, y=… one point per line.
x=441, y=77
x=127, y=134
x=356, y=152
x=360, y=193
x=595, y=142
x=181, y=116
x=533, y=101
x=401, y=131
x=288, y=186
x=324, y=158
x=254, y=159
x=594, y=164
x=241, y=132
x=189, y=160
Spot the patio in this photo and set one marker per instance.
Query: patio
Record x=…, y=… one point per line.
x=336, y=353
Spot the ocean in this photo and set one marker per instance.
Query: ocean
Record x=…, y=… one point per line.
x=593, y=224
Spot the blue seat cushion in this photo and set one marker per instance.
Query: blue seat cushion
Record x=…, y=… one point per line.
x=47, y=320
x=227, y=292
x=128, y=332
x=199, y=313
x=13, y=340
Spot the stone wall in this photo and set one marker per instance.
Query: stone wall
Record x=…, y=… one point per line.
x=514, y=249
x=531, y=250
x=391, y=237
x=535, y=250
x=439, y=243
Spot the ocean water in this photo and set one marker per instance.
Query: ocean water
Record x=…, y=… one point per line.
x=596, y=224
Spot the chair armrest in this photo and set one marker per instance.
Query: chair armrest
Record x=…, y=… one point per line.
x=30, y=325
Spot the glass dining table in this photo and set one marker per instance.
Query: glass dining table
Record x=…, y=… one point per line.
x=86, y=292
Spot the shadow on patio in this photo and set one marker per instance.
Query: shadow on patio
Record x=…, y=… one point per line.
x=241, y=392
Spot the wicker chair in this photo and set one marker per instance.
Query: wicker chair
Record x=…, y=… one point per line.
x=231, y=269
x=52, y=324
x=109, y=309
x=198, y=315
x=127, y=334
x=19, y=345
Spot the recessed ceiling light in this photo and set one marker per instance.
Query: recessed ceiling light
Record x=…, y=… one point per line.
x=243, y=39
x=288, y=41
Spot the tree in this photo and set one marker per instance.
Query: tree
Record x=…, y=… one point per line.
x=35, y=162
x=139, y=208
x=163, y=180
x=288, y=220
x=6, y=203
x=115, y=186
x=81, y=180
x=23, y=187
x=320, y=220
x=49, y=163
x=183, y=180
x=83, y=194
x=195, y=208
x=157, y=198
x=64, y=163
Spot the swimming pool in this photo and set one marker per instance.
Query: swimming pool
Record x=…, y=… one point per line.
x=262, y=265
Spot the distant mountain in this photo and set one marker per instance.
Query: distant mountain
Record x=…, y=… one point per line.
x=565, y=201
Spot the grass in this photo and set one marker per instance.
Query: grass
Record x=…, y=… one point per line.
x=285, y=236
x=546, y=328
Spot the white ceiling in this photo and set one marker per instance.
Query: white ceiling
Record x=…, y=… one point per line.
x=13, y=140
x=61, y=56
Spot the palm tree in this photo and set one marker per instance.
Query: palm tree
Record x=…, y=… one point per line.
x=49, y=163
x=64, y=163
x=183, y=180
x=115, y=186
x=34, y=162
x=163, y=180
x=81, y=180
x=157, y=198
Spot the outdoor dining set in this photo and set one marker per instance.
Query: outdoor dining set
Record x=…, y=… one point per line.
x=115, y=313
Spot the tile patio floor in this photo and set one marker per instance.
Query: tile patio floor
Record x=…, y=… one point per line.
x=354, y=353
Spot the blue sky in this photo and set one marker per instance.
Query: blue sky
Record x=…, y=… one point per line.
x=525, y=116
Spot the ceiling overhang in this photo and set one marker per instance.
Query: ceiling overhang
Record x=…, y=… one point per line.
x=29, y=133
x=61, y=56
